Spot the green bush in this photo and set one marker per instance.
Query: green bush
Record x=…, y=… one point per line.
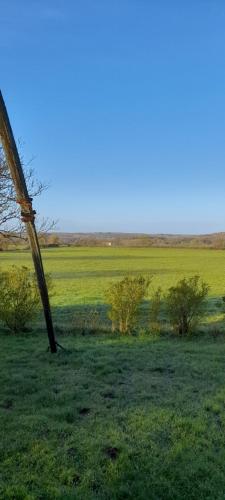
x=124, y=299
x=185, y=303
x=155, y=309
x=19, y=298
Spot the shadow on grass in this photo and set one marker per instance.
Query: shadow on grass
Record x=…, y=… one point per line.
x=107, y=273
x=104, y=257
x=93, y=317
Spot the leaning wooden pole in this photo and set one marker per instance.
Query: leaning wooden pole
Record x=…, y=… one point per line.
x=27, y=213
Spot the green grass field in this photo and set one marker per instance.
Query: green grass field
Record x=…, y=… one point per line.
x=81, y=275
x=112, y=417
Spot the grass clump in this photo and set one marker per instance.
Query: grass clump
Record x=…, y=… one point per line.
x=88, y=320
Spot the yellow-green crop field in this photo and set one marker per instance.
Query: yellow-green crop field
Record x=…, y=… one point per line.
x=81, y=275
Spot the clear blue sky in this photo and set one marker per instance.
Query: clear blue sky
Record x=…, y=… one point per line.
x=122, y=104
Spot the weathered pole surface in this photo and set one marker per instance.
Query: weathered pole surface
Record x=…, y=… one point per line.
x=27, y=213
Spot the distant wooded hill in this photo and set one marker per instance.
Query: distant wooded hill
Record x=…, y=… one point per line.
x=215, y=240
x=56, y=239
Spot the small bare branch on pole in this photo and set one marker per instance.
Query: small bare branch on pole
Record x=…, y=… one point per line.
x=27, y=214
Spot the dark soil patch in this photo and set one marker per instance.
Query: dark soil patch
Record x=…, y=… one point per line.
x=112, y=452
x=7, y=404
x=84, y=411
x=108, y=395
x=76, y=479
x=161, y=369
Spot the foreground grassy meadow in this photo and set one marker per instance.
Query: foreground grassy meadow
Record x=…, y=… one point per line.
x=113, y=417
x=81, y=275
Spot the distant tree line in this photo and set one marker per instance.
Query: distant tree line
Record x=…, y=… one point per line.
x=51, y=240
x=214, y=241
